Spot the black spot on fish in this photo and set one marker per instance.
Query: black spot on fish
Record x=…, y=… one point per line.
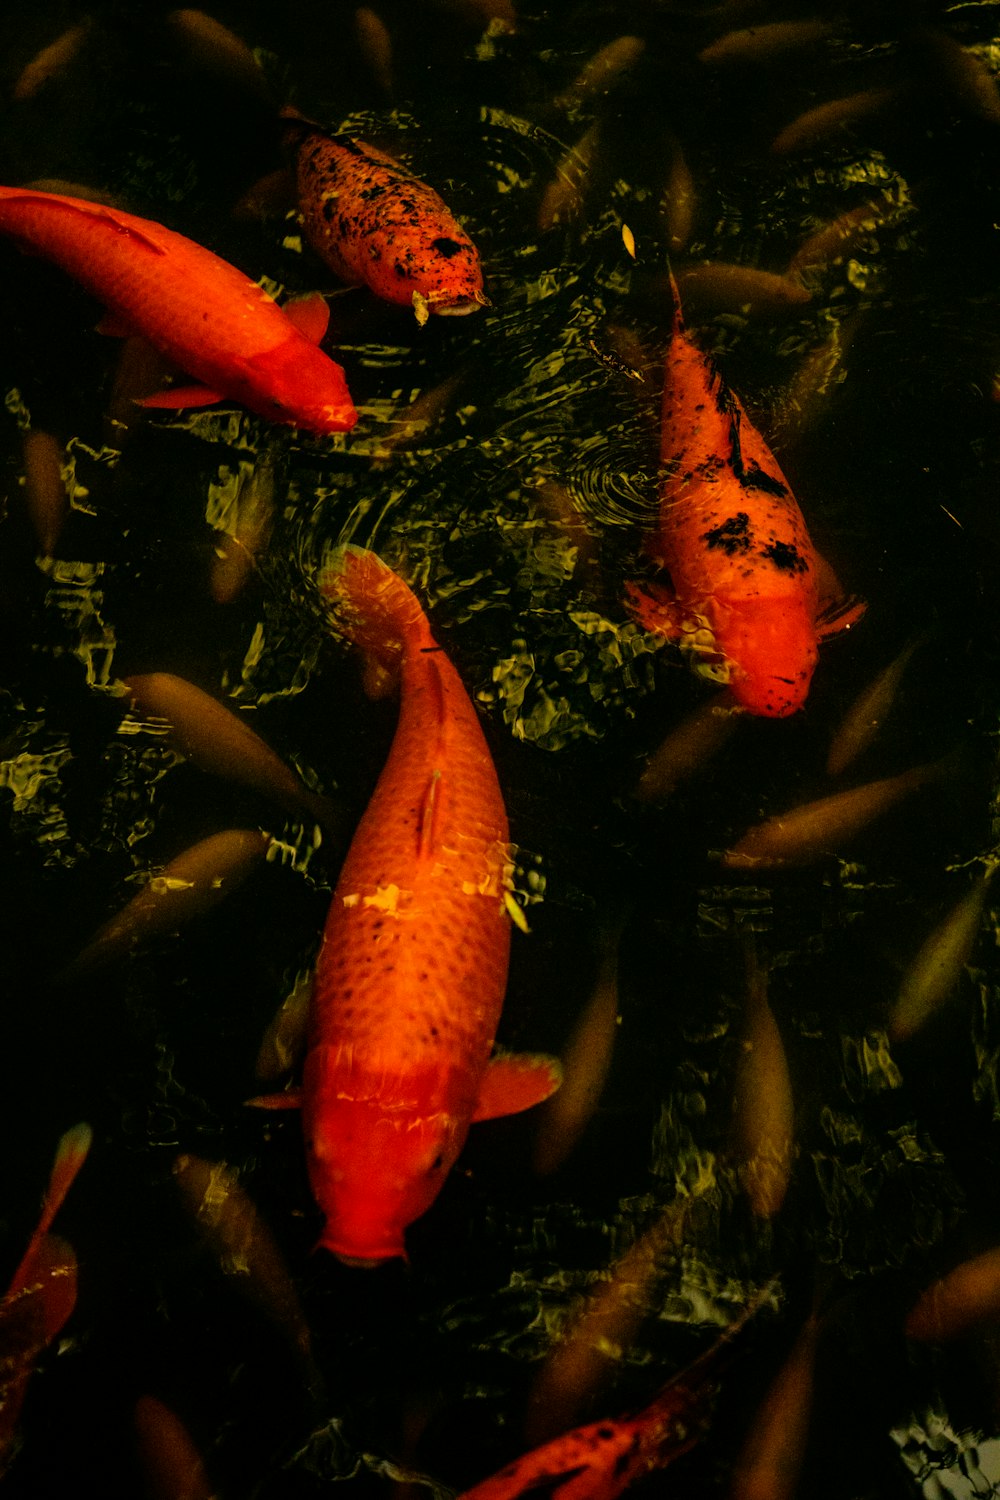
x=754, y=477
x=731, y=536
x=624, y=1459
x=446, y=247
x=329, y=208
x=785, y=557
x=550, y=1484
x=375, y=191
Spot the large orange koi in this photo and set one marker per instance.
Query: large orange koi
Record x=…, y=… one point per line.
x=199, y=311
x=374, y=222
x=411, y=975
x=748, y=592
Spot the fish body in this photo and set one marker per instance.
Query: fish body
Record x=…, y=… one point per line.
x=829, y=825
x=745, y=576
x=375, y=223
x=967, y=1295
x=412, y=971
x=199, y=311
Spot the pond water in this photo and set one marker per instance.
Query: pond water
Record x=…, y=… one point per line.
x=518, y=511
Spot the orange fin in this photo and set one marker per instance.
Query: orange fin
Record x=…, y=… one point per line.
x=428, y=814
x=71, y=1153
x=56, y=1272
x=290, y=1099
x=839, y=616
x=655, y=608
x=114, y=325
x=183, y=395
x=311, y=315
x=514, y=1081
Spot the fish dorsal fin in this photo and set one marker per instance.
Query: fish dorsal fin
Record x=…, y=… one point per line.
x=429, y=812
x=514, y=1081
x=310, y=315
x=137, y=229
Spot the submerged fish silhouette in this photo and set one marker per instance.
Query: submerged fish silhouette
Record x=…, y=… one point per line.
x=747, y=591
x=201, y=312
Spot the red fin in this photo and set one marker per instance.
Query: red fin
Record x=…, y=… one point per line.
x=183, y=395
x=428, y=815
x=839, y=617
x=71, y=1153
x=311, y=315
x=516, y=1081
x=271, y=195
x=56, y=1273
x=291, y=1099
x=655, y=608
x=115, y=326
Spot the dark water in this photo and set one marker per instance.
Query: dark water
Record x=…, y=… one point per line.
x=895, y=464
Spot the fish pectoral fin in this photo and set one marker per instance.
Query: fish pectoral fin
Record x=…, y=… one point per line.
x=839, y=616
x=182, y=395
x=514, y=1081
x=114, y=325
x=655, y=608
x=290, y=1099
x=311, y=315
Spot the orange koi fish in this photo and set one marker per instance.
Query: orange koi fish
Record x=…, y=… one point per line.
x=42, y=1294
x=600, y=1460
x=412, y=971
x=202, y=313
x=375, y=223
x=746, y=582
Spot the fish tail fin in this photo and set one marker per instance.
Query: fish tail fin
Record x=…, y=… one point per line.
x=374, y=608
x=70, y=1156
x=675, y=292
x=689, y=1395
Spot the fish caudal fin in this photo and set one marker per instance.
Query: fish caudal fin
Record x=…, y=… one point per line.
x=516, y=1081
x=71, y=1153
x=374, y=607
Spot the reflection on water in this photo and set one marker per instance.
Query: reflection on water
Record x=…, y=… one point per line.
x=506, y=463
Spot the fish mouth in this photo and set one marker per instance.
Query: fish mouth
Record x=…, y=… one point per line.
x=364, y=1258
x=365, y=1263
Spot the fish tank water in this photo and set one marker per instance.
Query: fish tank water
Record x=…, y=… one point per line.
x=507, y=464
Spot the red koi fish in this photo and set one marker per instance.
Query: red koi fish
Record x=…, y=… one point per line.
x=601, y=1460
x=200, y=312
x=373, y=222
x=42, y=1294
x=746, y=582
x=412, y=971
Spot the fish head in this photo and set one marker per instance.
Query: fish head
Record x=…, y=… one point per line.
x=770, y=646
x=373, y=1170
x=300, y=386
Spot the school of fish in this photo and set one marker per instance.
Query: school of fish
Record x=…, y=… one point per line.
x=496, y=635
